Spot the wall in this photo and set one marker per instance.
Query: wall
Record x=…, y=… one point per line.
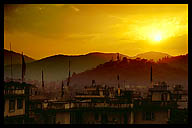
x=160, y=117
x=16, y=112
x=113, y=117
x=156, y=96
x=63, y=117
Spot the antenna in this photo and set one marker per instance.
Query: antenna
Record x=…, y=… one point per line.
x=124, y=84
x=118, y=91
x=62, y=93
x=118, y=80
x=69, y=75
x=11, y=64
x=151, y=77
x=23, y=67
x=42, y=81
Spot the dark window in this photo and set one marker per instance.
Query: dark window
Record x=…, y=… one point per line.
x=179, y=96
x=164, y=97
x=96, y=116
x=104, y=118
x=11, y=105
x=19, y=103
x=148, y=116
x=152, y=116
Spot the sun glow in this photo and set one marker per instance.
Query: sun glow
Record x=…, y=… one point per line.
x=125, y=28
x=157, y=37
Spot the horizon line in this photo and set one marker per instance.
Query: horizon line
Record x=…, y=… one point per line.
x=95, y=52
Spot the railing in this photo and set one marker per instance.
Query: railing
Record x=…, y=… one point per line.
x=159, y=89
x=14, y=92
x=87, y=105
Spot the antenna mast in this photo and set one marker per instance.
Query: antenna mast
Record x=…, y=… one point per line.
x=151, y=77
x=69, y=75
x=11, y=64
x=42, y=81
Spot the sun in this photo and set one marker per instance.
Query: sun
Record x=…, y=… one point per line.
x=154, y=35
x=157, y=37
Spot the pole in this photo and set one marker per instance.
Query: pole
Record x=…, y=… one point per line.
x=11, y=64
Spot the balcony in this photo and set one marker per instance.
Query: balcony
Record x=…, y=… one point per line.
x=14, y=92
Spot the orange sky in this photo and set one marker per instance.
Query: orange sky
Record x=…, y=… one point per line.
x=43, y=30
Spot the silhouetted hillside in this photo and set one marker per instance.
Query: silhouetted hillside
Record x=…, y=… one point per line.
x=151, y=55
x=178, y=61
x=56, y=67
x=16, y=58
x=136, y=72
x=101, y=67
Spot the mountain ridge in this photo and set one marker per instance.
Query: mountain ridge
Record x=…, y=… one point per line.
x=56, y=67
x=16, y=58
x=136, y=72
x=151, y=55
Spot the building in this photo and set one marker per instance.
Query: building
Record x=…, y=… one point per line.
x=180, y=113
x=98, y=104
x=156, y=108
x=104, y=105
x=16, y=102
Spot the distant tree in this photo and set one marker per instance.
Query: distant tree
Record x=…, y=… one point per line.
x=151, y=60
x=124, y=59
x=73, y=74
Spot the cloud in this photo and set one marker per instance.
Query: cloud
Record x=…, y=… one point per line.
x=80, y=36
x=116, y=17
x=59, y=5
x=75, y=8
x=68, y=6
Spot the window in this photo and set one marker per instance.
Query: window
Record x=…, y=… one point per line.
x=148, y=116
x=96, y=116
x=11, y=105
x=164, y=97
x=19, y=103
x=104, y=118
x=4, y=105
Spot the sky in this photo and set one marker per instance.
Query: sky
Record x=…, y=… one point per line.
x=42, y=30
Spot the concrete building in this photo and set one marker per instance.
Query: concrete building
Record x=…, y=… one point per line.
x=16, y=102
x=105, y=105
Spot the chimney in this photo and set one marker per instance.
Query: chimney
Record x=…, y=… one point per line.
x=93, y=83
x=118, y=57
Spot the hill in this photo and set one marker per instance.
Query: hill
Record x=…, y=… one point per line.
x=56, y=67
x=151, y=55
x=16, y=58
x=136, y=72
